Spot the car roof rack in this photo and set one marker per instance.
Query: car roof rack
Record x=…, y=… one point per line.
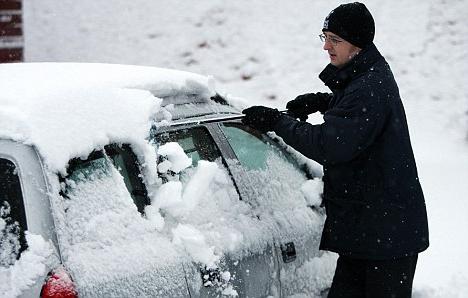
x=181, y=99
x=195, y=106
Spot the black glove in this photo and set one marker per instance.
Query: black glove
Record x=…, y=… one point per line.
x=261, y=118
x=308, y=103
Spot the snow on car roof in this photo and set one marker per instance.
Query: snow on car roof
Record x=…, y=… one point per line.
x=68, y=109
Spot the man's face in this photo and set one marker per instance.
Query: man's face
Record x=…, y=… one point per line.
x=339, y=50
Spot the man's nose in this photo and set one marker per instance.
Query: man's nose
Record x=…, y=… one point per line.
x=327, y=45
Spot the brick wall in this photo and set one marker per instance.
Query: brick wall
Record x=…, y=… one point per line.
x=11, y=31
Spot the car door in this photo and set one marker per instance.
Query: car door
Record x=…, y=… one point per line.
x=108, y=245
x=249, y=270
x=272, y=181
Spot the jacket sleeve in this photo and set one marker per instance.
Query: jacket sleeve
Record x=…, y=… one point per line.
x=324, y=102
x=349, y=128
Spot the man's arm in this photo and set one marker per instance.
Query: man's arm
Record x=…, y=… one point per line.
x=348, y=129
x=306, y=104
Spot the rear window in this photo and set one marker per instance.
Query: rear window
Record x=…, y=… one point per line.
x=12, y=214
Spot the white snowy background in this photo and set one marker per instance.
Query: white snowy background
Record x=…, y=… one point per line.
x=268, y=52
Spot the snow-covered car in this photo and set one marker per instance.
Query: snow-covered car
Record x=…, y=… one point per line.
x=131, y=181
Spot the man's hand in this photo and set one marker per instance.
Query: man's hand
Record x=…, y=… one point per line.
x=261, y=118
x=308, y=103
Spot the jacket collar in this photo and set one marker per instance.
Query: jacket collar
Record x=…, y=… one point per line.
x=338, y=78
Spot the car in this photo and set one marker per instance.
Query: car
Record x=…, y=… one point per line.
x=132, y=181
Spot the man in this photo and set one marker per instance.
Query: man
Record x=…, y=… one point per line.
x=376, y=215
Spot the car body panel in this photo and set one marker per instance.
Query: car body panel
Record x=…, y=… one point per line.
x=250, y=276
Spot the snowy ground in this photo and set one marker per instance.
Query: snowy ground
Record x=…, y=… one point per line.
x=268, y=52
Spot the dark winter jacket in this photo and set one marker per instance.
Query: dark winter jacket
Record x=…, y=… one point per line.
x=374, y=202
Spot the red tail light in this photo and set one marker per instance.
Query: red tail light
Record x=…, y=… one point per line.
x=58, y=284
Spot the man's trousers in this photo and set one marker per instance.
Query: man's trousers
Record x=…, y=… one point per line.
x=362, y=278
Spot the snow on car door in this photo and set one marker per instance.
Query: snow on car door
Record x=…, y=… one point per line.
x=271, y=182
x=213, y=223
x=110, y=249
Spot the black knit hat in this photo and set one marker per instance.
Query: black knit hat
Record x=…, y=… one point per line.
x=353, y=22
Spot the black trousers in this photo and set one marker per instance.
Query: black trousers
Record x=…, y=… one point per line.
x=373, y=279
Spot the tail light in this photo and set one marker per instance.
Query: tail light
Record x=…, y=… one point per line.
x=58, y=284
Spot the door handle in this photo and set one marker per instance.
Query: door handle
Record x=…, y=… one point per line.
x=288, y=252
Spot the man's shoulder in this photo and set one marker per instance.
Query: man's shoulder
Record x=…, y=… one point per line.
x=378, y=78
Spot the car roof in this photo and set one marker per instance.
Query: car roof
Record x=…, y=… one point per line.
x=67, y=110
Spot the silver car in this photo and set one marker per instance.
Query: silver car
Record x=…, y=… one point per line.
x=255, y=217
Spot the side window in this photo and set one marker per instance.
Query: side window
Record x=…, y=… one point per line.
x=99, y=165
x=269, y=178
x=196, y=142
x=94, y=167
x=250, y=147
x=102, y=203
x=12, y=214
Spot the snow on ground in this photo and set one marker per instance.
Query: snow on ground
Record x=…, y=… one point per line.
x=268, y=52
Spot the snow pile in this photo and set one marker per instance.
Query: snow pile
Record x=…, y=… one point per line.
x=26, y=271
x=195, y=244
x=176, y=160
x=9, y=236
x=312, y=189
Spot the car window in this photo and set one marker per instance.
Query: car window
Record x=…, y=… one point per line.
x=95, y=167
x=12, y=214
x=196, y=142
x=251, y=148
x=99, y=165
x=269, y=178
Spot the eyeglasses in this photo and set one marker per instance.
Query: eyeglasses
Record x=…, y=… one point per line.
x=334, y=41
